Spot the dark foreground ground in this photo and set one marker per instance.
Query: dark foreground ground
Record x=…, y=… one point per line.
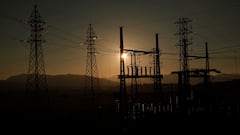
x=75, y=112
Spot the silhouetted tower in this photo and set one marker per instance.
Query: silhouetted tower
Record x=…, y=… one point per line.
x=184, y=31
x=207, y=70
x=123, y=94
x=157, y=71
x=36, y=79
x=92, y=80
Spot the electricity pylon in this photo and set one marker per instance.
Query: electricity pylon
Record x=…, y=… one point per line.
x=36, y=79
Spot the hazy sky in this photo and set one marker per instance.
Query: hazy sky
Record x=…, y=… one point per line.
x=214, y=21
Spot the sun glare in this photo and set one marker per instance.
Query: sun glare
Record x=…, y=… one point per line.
x=124, y=56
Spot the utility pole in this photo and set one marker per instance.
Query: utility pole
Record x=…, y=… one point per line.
x=157, y=74
x=123, y=93
x=206, y=75
x=36, y=79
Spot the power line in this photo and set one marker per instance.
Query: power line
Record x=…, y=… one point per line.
x=227, y=47
x=54, y=27
x=65, y=38
x=13, y=19
x=76, y=43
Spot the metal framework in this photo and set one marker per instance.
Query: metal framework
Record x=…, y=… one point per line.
x=184, y=31
x=92, y=80
x=157, y=70
x=123, y=93
x=137, y=72
x=185, y=72
x=36, y=79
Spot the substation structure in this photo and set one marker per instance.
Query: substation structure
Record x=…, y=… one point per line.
x=164, y=99
x=187, y=100
x=130, y=103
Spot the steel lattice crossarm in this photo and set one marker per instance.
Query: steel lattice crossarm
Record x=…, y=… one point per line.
x=141, y=76
x=197, y=72
x=139, y=51
x=197, y=57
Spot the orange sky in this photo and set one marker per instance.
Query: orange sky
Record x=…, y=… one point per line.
x=68, y=22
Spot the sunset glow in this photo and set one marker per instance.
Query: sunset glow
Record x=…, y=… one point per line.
x=124, y=56
x=65, y=51
x=119, y=66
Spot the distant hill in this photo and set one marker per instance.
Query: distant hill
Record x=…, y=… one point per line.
x=64, y=81
x=173, y=79
x=76, y=82
x=215, y=78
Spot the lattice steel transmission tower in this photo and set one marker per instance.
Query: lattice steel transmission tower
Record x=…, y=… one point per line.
x=92, y=80
x=184, y=31
x=36, y=79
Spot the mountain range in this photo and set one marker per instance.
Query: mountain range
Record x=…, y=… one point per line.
x=173, y=79
x=55, y=82
x=75, y=82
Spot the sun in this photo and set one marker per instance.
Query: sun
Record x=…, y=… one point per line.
x=124, y=56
